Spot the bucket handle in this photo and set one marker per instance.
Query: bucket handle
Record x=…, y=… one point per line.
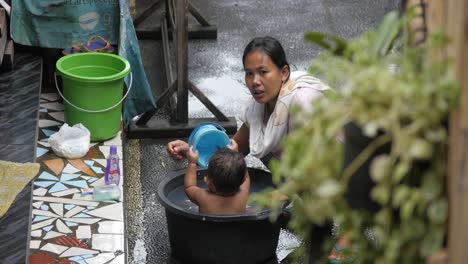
x=219, y=127
x=94, y=111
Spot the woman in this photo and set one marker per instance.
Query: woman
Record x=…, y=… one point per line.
x=266, y=118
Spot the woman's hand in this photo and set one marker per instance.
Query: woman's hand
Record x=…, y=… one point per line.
x=233, y=146
x=177, y=149
x=241, y=139
x=192, y=156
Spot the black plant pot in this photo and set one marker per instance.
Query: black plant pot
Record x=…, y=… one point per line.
x=317, y=237
x=360, y=183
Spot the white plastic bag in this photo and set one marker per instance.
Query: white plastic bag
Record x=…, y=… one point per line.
x=70, y=142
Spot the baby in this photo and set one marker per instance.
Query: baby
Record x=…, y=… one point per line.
x=227, y=180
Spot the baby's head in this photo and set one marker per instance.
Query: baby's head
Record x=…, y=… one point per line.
x=226, y=172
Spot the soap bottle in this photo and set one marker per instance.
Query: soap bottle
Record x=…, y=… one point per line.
x=112, y=172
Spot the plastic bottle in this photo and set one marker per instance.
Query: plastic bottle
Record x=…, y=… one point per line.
x=106, y=193
x=112, y=173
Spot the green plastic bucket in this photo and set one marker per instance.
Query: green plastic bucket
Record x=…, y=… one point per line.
x=92, y=91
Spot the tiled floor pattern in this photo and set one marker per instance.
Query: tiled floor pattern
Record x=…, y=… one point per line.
x=66, y=226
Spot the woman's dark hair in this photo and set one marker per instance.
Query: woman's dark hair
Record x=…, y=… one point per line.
x=227, y=170
x=271, y=47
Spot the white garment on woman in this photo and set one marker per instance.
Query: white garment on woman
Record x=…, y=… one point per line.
x=264, y=139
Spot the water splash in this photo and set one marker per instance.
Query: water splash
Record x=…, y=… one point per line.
x=139, y=252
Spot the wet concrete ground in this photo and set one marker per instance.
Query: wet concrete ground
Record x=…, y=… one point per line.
x=215, y=66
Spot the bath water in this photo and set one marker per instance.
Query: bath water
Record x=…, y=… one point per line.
x=180, y=199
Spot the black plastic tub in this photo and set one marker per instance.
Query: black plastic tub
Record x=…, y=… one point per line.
x=201, y=238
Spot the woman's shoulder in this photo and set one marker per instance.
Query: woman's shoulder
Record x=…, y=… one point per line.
x=307, y=88
x=304, y=97
x=303, y=79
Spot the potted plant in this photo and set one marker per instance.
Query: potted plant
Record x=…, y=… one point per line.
x=391, y=102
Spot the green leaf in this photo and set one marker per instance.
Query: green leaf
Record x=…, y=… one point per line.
x=406, y=210
x=275, y=169
x=380, y=167
x=328, y=188
x=401, y=170
x=431, y=187
x=383, y=217
x=436, y=135
x=386, y=34
x=401, y=194
x=432, y=242
x=332, y=43
x=370, y=129
x=438, y=211
x=380, y=194
x=421, y=149
x=393, y=248
x=379, y=233
x=413, y=228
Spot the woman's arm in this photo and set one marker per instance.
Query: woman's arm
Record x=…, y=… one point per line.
x=242, y=139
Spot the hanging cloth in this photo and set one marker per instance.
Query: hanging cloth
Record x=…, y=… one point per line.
x=64, y=23
x=140, y=99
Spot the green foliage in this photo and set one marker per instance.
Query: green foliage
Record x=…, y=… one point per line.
x=334, y=44
x=398, y=95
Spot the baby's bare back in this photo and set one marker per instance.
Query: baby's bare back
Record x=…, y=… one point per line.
x=211, y=203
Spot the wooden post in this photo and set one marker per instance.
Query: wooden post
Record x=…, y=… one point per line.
x=196, y=14
x=182, y=60
x=457, y=29
x=132, y=6
x=145, y=14
x=436, y=21
x=175, y=25
x=452, y=15
x=9, y=56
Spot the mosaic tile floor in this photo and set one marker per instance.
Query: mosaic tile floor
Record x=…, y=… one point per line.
x=66, y=226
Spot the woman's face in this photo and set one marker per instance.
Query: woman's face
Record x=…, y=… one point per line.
x=263, y=77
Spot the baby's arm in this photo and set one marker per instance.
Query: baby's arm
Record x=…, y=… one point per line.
x=191, y=188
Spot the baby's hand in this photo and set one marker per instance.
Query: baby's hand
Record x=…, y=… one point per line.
x=233, y=145
x=192, y=156
x=177, y=149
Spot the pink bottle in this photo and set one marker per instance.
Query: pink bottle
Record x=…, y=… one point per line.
x=112, y=172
